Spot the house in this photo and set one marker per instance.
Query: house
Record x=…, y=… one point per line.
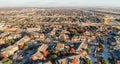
x=2, y=42
x=43, y=47
x=63, y=37
x=79, y=46
x=61, y=61
x=92, y=38
x=83, y=53
x=53, y=31
x=117, y=39
x=23, y=40
x=36, y=35
x=64, y=31
x=33, y=29
x=42, y=37
x=33, y=43
x=48, y=39
x=3, y=35
x=75, y=39
x=10, y=50
x=74, y=59
x=45, y=62
x=13, y=36
x=39, y=54
x=60, y=46
x=11, y=29
x=87, y=33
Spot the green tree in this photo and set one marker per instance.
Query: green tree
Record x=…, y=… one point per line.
x=79, y=26
x=54, y=36
x=88, y=61
x=7, y=61
x=102, y=46
x=9, y=41
x=88, y=50
x=54, y=56
x=75, y=33
x=104, y=61
x=26, y=48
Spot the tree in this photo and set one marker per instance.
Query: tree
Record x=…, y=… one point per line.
x=75, y=33
x=88, y=50
x=79, y=26
x=7, y=61
x=54, y=56
x=9, y=41
x=102, y=46
x=26, y=48
x=54, y=37
x=88, y=61
x=104, y=61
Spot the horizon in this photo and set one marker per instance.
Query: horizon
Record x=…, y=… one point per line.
x=59, y=3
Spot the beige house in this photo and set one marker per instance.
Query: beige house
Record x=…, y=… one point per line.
x=13, y=36
x=42, y=37
x=33, y=29
x=23, y=40
x=60, y=46
x=69, y=60
x=10, y=50
x=39, y=54
x=75, y=39
x=2, y=41
x=81, y=46
x=63, y=37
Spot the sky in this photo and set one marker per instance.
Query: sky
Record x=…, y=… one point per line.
x=58, y=3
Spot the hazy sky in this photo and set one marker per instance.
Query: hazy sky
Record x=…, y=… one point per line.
x=55, y=3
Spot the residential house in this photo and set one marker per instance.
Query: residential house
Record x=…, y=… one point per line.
x=23, y=40
x=75, y=39
x=117, y=39
x=45, y=62
x=74, y=59
x=2, y=42
x=11, y=29
x=63, y=37
x=33, y=29
x=64, y=31
x=42, y=37
x=79, y=46
x=10, y=50
x=13, y=36
x=36, y=35
x=87, y=33
x=60, y=46
x=39, y=54
x=53, y=31
x=48, y=39
x=3, y=35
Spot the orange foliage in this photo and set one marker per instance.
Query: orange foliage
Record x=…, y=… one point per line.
x=72, y=50
x=45, y=53
x=74, y=61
